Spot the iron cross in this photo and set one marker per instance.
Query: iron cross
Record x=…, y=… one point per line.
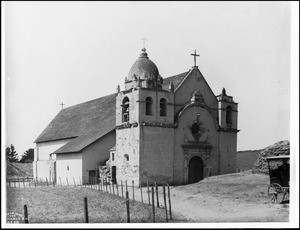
x=144, y=41
x=195, y=56
x=62, y=105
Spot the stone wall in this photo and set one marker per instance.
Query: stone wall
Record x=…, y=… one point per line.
x=228, y=142
x=127, y=154
x=157, y=147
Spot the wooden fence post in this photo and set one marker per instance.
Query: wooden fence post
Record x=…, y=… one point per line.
x=8, y=182
x=169, y=197
x=127, y=207
x=133, y=190
x=122, y=188
x=23, y=182
x=126, y=189
x=153, y=206
x=53, y=183
x=74, y=182
x=19, y=182
x=117, y=188
x=25, y=214
x=86, y=214
x=109, y=187
x=47, y=181
x=148, y=192
x=165, y=202
x=113, y=188
x=34, y=181
x=67, y=181
x=141, y=191
x=28, y=182
x=156, y=190
x=106, y=185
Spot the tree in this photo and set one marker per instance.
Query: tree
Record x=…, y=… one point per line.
x=11, y=154
x=28, y=156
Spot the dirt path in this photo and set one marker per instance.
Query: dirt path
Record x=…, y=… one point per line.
x=239, y=197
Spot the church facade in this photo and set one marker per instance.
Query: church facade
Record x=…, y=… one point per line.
x=173, y=130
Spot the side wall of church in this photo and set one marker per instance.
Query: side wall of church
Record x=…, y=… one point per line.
x=183, y=135
x=228, y=142
x=97, y=152
x=42, y=159
x=69, y=168
x=157, y=147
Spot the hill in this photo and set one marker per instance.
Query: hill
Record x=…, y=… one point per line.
x=19, y=170
x=245, y=159
x=279, y=148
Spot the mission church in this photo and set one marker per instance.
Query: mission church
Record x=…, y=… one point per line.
x=172, y=129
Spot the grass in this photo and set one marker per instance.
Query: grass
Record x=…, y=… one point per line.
x=65, y=205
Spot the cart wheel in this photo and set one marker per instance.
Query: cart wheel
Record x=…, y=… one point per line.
x=274, y=198
x=276, y=193
x=280, y=197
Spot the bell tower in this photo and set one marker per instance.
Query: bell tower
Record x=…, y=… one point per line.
x=228, y=119
x=144, y=125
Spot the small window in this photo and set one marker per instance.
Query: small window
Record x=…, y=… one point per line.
x=229, y=115
x=125, y=110
x=67, y=168
x=126, y=157
x=149, y=103
x=112, y=156
x=163, y=107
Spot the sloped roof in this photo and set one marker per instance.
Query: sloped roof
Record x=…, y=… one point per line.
x=88, y=121
x=92, y=116
x=176, y=79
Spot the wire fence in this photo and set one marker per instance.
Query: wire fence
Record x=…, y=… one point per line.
x=155, y=194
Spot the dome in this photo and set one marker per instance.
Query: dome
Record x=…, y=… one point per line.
x=143, y=68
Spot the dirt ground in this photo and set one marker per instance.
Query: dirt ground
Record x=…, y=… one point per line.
x=239, y=197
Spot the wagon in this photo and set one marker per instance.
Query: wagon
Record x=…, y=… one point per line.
x=279, y=171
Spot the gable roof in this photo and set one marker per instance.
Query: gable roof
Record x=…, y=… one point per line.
x=92, y=116
x=88, y=121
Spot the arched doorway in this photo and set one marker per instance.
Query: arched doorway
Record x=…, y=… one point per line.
x=195, y=170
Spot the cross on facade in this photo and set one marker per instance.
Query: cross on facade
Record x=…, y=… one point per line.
x=144, y=41
x=62, y=105
x=195, y=56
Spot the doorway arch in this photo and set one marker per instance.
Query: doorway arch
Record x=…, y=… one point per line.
x=195, y=172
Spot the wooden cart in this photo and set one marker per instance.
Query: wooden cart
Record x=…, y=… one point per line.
x=279, y=171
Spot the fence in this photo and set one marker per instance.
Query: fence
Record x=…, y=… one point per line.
x=148, y=192
x=141, y=192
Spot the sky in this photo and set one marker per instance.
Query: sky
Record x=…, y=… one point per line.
x=73, y=52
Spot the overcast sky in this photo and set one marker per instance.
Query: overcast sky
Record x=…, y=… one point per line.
x=72, y=52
